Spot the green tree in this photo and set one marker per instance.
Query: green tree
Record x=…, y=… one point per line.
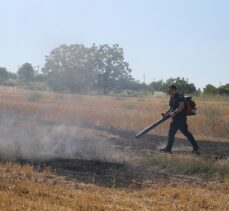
x=111, y=67
x=12, y=76
x=182, y=85
x=4, y=76
x=80, y=69
x=210, y=90
x=158, y=86
x=70, y=68
x=26, y=72
x=224, y=90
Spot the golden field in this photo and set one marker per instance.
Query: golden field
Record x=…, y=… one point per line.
x=132, y=114
x=23, y=187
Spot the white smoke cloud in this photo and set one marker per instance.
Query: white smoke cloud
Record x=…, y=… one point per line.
x=29, y=138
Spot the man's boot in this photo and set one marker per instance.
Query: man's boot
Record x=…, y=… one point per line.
x=166, y=150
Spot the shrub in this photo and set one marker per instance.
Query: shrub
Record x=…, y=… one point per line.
x=34, y=96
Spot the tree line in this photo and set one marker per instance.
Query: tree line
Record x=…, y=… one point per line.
x=212, y=90
x=103, y=69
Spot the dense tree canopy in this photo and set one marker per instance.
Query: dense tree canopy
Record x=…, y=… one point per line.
x=70, y=68
x=223, y=90
x=26, y=72
x=182, y=85
x=112, y=70
x=78, y=69
x=212, y=90
x=4, y=75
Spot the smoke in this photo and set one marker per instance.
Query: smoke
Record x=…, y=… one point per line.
x=31, y=139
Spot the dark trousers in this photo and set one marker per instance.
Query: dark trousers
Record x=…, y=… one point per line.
x=183, y=127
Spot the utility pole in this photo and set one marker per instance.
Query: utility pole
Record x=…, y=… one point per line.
x=144, y=78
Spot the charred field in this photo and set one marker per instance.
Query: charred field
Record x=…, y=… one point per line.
x=138, y=163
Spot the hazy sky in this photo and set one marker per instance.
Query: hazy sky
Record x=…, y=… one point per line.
x=161, y=38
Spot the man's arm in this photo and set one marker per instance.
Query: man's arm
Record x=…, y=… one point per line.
x=179, y=109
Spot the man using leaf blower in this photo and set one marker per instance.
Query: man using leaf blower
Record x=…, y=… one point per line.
x=179, y=120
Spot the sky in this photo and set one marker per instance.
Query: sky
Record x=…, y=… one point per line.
x=160, y=38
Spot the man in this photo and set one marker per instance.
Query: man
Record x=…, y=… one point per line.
x=179, y=120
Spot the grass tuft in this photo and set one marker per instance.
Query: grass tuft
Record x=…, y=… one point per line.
x=203, y=167
x=34, y=96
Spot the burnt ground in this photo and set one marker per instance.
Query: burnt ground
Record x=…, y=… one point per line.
x=129, y=172
x=103, y=156
x=181, y=145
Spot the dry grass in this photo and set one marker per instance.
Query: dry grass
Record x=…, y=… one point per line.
x=124, y=113
x=207, y=168
x=22, y=188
